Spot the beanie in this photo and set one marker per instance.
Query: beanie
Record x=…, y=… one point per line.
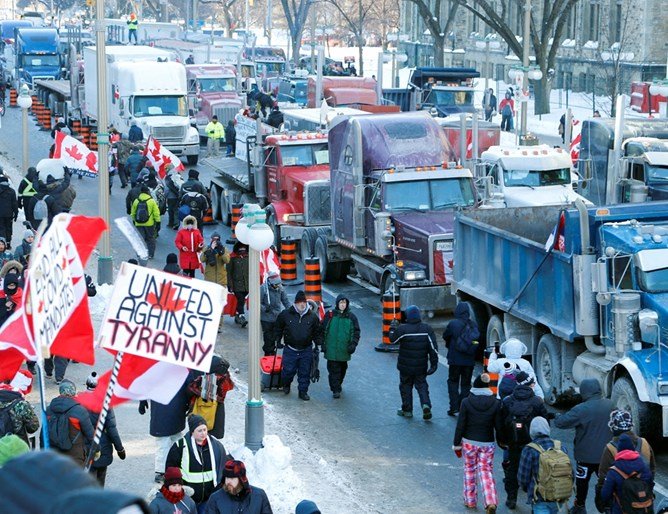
x=28, y=233
x=172, y=258
x=300, y=297
x=481, y=381
x=523, y=378
x=413, y=313
x=539, y=426
x=173, y=476
x=620, y=421
x=11, y=446
x=67, y=388
x=307, y=507
x=195, y=421
x=235, y=469
x=274, y=278
x=625, y=443
x=193, y=173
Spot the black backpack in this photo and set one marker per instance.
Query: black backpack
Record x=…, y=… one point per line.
x=6, y=421
x=59, y=431
x=636, y=496
x=193, y=200
x=466, y=338
x=141, y=215
x=520, y=416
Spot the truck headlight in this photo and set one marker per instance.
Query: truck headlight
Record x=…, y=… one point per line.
x=193, y=137
x=663, y=387
x=444, y=246
x=293, y=218
x=414, y=275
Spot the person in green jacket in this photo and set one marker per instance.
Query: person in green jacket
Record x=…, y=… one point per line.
x=341, y=333
x=145, y=214
x=215, y=132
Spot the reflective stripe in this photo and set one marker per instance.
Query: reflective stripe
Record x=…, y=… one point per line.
x=192, y=476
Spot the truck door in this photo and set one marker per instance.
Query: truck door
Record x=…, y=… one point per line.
x=373, y=200
x=270, y=158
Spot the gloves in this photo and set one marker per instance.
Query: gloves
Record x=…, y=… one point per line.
x=432, y=369
x=315, y=375
x=184, y=248
x=394, y=324
x=352, y=348
x=157, y=228
x=121, y=453
x=143, y=407
x=458, y=451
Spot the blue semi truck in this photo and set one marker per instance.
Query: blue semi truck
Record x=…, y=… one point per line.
x=35, y=54
x=586, y=289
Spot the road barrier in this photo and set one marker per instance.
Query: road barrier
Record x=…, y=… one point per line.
x=76, y=127
x=236, y=216
x=312, y=285
x=493, y=377
x=391, y=311
x=288, y=260
x=93, y=141
x=13, y=95
x=207, y=219
x=85, y=134
x=47, y=119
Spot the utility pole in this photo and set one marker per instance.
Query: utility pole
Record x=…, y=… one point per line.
x=247, y=16
x=525, y=63
x=270, y=20
x=313, y=22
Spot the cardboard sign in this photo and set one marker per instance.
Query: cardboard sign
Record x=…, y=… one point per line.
x=163, y=317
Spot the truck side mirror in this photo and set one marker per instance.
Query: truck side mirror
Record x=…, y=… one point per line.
x=648, y=321
x=585, y=169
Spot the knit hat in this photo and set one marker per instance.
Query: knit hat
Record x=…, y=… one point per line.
x=307, y=507
x=173, y=476
x=11, y=446
x=4, y=179
x=539, y=426
x=481, y=381
x=235, y=469
x=413, y=313
x=172, y=258
x=195, y=421
x=274, y=278
x=620, y=421
x=300, y=297
x=133, y=261
x=219, y=365
x=625, y=443
x=28, y=233
x=67, y=388
x=523, y=378
x=193, y=173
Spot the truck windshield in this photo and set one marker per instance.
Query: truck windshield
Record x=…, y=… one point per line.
x=658, y=173
x=159, y=106
x=217, y=85
x=428, y=195
x=536, y=178
x=40, y=60
x=247, y=71
x=457, y=98
x=654, y=281
x=304, y=155
x=270, y=68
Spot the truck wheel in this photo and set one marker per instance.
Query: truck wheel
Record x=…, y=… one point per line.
x=307, y=245
x=548, y=367
x=225, y=214
x=215, y=201
x=495, y=331
x=329, y=271
x=479, y=316
x=192, y=159
x=388, y=285
x=625, y=397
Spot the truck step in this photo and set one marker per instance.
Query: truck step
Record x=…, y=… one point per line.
x=363, y=283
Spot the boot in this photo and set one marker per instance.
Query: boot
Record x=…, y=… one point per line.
x=577, y=509
x=490, y=509
x=511, y=503
x=237, y=319
x=243, y=321
x=404, y=413
x=426, y=412
x=304, y=396
x=286, y=389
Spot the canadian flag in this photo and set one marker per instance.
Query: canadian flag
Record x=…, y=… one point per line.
x=469, y=144
x=576, y=138
x=269, y=263
x=160, y=157
x=139, y=378
x=75, y=155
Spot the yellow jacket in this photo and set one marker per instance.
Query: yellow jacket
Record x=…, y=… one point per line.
x=215, y=130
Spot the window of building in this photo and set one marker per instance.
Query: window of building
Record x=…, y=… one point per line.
x=617, y=21
x=593, y=20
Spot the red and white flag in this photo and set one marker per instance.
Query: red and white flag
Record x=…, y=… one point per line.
x=269, y=263
x=160, y=157
x=576, y=138
x=469, y=144
x=75, y=155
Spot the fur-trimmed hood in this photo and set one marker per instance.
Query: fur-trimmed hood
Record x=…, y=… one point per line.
x=189, y=220
x=9, y=265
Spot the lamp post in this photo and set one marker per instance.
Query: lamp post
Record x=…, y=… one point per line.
x=253, y=230
x=25, y=102
x=525, y=64
x=489, y=41
x=525, y=73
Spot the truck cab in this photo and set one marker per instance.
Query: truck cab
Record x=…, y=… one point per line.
x=646, y=163
x=446, y=90
x=36, y=55
x=527, y=176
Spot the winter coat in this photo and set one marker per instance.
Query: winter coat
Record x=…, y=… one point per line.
x=173, y=183
x=51, y=204
x=417, y=347
x=130, y=198
x=340, y=332
x=24, y=418
x=135, y=134
x=160, y=505
x=254, y=501
x=215, y=264
x=273, y=300
x=9, y=204
x=81, y=428
x=22, y=252
x=153, y=211
x=59, y=190
x=275, y=119
x=192, y=241
x=223, y=385
x=298, y=331
x=27, y=188
x=8, y=304
x=14, y=266
x=6, y=256
x=110, y=439
x=452, y=332
x=513, y=349
x=590, y=420
x=198, y=464
x=479, y=418
x=627, y=461
x=523, y=399
x=215, y=130
x=192, y=185
x=237, y=273
x=608, y=459
x=510, y=103
x=134, y=164
x=230, y=133
x=170, y=419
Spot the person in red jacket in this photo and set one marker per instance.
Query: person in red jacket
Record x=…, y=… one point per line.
x=507, y=111
x=189, y=242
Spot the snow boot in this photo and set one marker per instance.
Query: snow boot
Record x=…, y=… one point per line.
x=304, y=396
x=405, y=414
x=426, y=412
x=577, y=509
x=243, y=321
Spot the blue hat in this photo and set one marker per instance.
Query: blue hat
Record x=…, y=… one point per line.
x=413, y=313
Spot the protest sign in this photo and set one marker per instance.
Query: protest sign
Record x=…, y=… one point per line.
x=163, y=316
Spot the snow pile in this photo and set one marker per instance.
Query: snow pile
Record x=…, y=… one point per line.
x=98, y=303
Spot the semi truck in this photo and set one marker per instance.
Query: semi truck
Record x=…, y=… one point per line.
x=586, y=295
x=394, y=192
x=344, y=92
x=148, y=88
x=313, y=120
x=35, y=54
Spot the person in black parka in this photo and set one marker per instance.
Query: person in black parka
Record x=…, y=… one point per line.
x=109, y=441
x=9, y=209
x=418, y=357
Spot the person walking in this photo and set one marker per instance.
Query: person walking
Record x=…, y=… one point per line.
x=146, y=217
x=173, y=183
x=518, y=410
x=26, y=190
x=489, y=104
x=299, y=327
x=236, y=494
x=590, y=420
x=513, y=349
x=417, y=350
x=230, y=138
x=213, y=387
x=545, y=495
x=273, y=299
x=340, y=336
x=133, y=25
x=189, y=242
x=135, y=134
x=134, y=164
x=201, y=459
x=193, y=196
x=562, y=128
x=214, y=132
x=109, y=441
x=22, y=417
x=479, y=425
x=123, y=150
x=461, y=339
x=507, y=110
x=166, y=425
x=171, y=498
x=9, y=209
x=237, y=280
x=628, y=465
x=172, y=264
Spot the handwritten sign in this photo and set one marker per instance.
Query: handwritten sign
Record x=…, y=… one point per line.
x=163, y=317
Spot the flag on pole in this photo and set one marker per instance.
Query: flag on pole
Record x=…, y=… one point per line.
x=576, y=138
x=469, y=144
x=75, y=155
x=556, y=239
x=269, y=263
x=160, y=157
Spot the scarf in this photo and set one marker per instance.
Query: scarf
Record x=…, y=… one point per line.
x=170, y=496
x=199, y=459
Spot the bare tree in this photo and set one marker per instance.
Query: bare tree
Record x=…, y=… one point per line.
x=229, y=9
x=438, y=18
x=547, y=31
x=385, y=18
x=296, y=14
x=355, y=13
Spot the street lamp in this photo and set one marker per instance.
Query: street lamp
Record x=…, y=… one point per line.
x=25, y=102
x=253, y=231
x=487, y=42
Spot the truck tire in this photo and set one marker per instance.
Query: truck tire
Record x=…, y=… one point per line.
x=548, y=367
x=387, y=285
x=307, y=245
x=624, y=396
x=495, y=331
x=479, y=316
x=329, y=271
x=215, y=201
x=225, y=211
x=192, y=159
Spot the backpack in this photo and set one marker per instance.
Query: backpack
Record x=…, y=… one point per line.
x=141, y=214
x=6, y=421
x=520, y=417
x=59, y=431
x=554, y=482
x=506, y=111
x=642, y=447
x=466, y=340
x=192, y=200
x=158, y=195
x=41, y=209
x=636, y=496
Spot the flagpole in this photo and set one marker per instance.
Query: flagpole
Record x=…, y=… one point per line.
x=102, y=418
x=42, y=403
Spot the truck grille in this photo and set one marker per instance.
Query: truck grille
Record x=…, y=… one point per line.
x=442, y=261
x=316, y=203
x=225, y=114
x=167, y=134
